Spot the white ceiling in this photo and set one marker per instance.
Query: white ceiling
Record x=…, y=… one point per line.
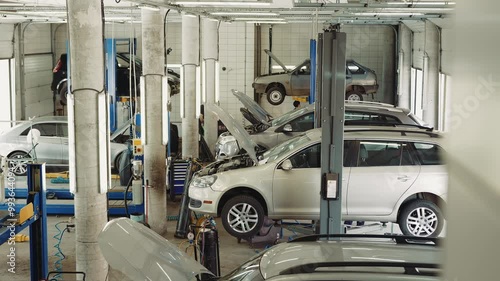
x=326, y=11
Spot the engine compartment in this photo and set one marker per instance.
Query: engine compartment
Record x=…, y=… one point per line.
x=236, y=162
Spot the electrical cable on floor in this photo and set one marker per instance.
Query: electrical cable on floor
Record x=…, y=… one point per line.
x=59, y=254
x=125, y=199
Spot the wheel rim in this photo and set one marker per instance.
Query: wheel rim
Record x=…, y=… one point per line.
x=18, y=166
x=422, y=222
x=275, y=96
x=242, y=217
x=353, y=97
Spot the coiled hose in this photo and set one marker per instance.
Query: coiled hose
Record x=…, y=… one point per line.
x=59, y=254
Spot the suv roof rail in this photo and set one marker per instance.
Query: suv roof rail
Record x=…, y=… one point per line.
x=381, y=129
x=370, y=103
x=399, y=239
x=370, y=123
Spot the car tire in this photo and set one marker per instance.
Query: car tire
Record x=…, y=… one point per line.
x=63, y=94
x=251, y=222
x=275, y=95
x=124, y=167
x=354, y=96
x=421, y=218
x=19, y=168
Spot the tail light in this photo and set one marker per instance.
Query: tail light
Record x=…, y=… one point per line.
x=58, y=66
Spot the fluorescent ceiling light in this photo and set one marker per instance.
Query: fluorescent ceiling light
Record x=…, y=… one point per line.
x=423, y=3
x=244, y=14
x=221, y=3
x=259, y=19
x=267, y=22
x=389, y=14
x=148, y=7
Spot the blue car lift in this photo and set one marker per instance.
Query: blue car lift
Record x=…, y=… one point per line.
x=34, y=216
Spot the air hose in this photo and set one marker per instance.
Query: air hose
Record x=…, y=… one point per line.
x=59, y=254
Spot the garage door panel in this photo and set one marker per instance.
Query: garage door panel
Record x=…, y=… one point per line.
x=6, y=42
x=37, y=39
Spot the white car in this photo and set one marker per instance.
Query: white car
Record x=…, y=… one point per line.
x=52, y=147
x=139, y=253
x=390, y=174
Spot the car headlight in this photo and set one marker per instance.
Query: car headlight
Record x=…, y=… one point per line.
x=204, y=182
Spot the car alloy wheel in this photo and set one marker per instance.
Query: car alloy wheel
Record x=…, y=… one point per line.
x=354, y=96
x=242, y=216
x=19, y=163
x=275, y=95
x=421, y=218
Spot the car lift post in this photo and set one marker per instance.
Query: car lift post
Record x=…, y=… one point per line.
x=332, y=57
x=38, y=229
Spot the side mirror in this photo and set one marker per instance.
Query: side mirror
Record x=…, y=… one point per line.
x=287, y=165
x=287, y=128
x=33, y=136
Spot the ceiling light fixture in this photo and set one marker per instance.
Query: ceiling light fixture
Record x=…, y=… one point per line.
x=266, y=22
x=244, y=14
x=423, y=3
x=148, y=7
x=389, y=14
x=258, y=19
x=220, y=3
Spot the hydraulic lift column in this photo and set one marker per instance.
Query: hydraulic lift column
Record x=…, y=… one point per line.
x=332, y=47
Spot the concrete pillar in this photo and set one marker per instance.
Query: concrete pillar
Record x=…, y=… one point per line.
x=190, y=59
x=404, y=66
x=473, y=227
x=154, y=150
x=210, y=56
x=87, y=84
x=431, y=74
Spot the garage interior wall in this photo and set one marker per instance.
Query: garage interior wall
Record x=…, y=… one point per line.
x=370, y=45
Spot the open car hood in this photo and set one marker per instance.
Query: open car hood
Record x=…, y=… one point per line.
x=142, y=254
x=269, y=53
x=237, y=130
x=257, y=112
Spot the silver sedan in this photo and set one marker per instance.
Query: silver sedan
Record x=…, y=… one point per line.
x=52, y=147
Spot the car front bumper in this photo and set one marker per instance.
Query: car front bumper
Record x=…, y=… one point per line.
x=259, y=87
x=204, y=200
x=371, y=89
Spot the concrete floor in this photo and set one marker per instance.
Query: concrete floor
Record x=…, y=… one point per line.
x=232, y=253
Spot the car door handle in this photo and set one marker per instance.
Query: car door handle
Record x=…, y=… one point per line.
x=403, y=178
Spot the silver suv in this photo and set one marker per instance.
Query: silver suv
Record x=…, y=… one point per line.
x=267, y=131
x=390, y=174
x=296, y=82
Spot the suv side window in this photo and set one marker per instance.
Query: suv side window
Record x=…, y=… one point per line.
x=354, y=117
x=354, y=69
x=62, y=130
x=311, y=156
x=46, y=129
x=428, y=154
x=381, y=153
x=303, y=123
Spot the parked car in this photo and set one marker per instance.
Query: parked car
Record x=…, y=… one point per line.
x=360, y=80
x=52, y=147
x=390, y=174
x=59, y=79
x=267, y=131
x=347, y=257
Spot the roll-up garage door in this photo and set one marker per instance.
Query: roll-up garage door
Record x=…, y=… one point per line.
x=6, y=41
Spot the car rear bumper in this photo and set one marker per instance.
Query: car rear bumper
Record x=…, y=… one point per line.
x=259, y=88
x=371, y=89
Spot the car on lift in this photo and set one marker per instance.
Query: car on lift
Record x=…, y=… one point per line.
x=267, y=131
x=59, y=83
x=52, y=146
x=315, y=257
x=360, y=80
x=390, y=175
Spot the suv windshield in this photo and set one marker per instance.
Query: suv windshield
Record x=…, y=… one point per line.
x=284, y=148
x=283, y=119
